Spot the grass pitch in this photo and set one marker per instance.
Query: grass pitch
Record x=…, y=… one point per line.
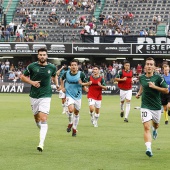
x=114, y=145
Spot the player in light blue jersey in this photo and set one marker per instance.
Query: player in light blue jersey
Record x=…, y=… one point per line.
x=73, y=89
x=165, y=98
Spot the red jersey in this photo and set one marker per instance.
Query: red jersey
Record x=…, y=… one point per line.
x=126, y=85
x=95, y=91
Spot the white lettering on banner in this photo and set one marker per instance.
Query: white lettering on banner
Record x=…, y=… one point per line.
x=158, y=47
x=118, y=41
x=18, y=89
x=158, y=40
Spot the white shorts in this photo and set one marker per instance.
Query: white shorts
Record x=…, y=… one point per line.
x=62, y=94
x=76, y=103
x=125, y=94
x=147, y=115
x=95, y=103
x=40, y=105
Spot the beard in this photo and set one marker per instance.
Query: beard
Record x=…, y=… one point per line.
x=42, y=60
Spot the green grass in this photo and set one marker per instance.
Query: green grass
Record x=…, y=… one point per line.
x=114, y=145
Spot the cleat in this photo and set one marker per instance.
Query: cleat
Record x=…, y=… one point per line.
x=149, y=152
x=74, y=131
x=63, y=112
x=168, y=112
x=92, y=120
x=95, y=125
x=122, y=114
x=154, y=134
x=40, y=148
x=69, y=127
x=166, y=122
x=126, y=120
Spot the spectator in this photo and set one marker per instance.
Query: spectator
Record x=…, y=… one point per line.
x=0, y=32
x=62, y=21
x=11, y=75
x=139, y=69
x=34, y=12
x=159, y=19
x=53, y=11
x=141, y=33
x=7, y=65
x=130, y=16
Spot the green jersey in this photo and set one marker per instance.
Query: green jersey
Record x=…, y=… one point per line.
x=43, y=74
x=150, y=97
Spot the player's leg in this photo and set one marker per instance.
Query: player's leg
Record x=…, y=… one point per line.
x=168, y=105
x=156, y=116
x=70, y=105
x=164, y=101
x=146, y=117
x=128, y=99
x=43, y=129
x=122, y=100
x=41, y=108
x=97, y=112
x=165, y=111
x=91, y=108
x=77, y=107
x=62, y=97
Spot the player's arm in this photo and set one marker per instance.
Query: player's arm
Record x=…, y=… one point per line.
x=118, y=77
x=62, y=80
x=83, y=80
x=25, y=78
x=163, y=88
x=58, y=72
x=55, y=80
x=139, y=92
x=102, y=84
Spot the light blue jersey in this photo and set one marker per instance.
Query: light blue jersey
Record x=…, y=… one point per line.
x=167, y=79
x=72, y=86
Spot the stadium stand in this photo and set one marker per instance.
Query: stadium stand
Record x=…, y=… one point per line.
x=131, y=16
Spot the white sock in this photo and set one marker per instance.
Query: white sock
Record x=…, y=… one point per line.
x=148, y=145
x=70, y=118
x=75, y=121
x=91, y=114
x=43, y=132
x=127, y=110
x=121, y=106
x=38, y=124
x=96, y=117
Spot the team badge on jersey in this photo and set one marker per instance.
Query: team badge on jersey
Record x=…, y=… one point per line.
x=49, y=71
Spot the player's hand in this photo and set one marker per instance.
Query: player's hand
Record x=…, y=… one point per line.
x=36, y=84
x=99, y=83
x=124, y=78
x=63, y=90
x=57, y=87
x=137, y=95
x=151, y=84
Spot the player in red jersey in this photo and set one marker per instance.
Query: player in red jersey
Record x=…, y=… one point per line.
x=95, y=94
x=124, y=79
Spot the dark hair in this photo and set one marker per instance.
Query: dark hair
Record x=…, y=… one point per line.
x=96, y=66
x=126, y=61
x=150, y=58
x=42, y=49
x=75, y=60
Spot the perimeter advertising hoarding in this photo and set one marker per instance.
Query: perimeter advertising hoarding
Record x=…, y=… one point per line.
x=151, y=49
x=20, y=87
x=102, y=48
x=31, y=48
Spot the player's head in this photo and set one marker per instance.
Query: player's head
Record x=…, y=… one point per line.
x=166, y=69
x=126, y=65
x=42, y=55
x=96, y=70
x=74, y=65
x=150, y=65
x=165, y=63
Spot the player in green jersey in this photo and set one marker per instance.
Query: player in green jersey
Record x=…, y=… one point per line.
x=39, y=75
x=151, y=86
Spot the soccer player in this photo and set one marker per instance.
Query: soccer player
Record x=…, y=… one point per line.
x=97, y=83
x=124, y=79
x=165, y=98
x=62, y=95
x=151, y=85
x=73, y=88
x=40, y=74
